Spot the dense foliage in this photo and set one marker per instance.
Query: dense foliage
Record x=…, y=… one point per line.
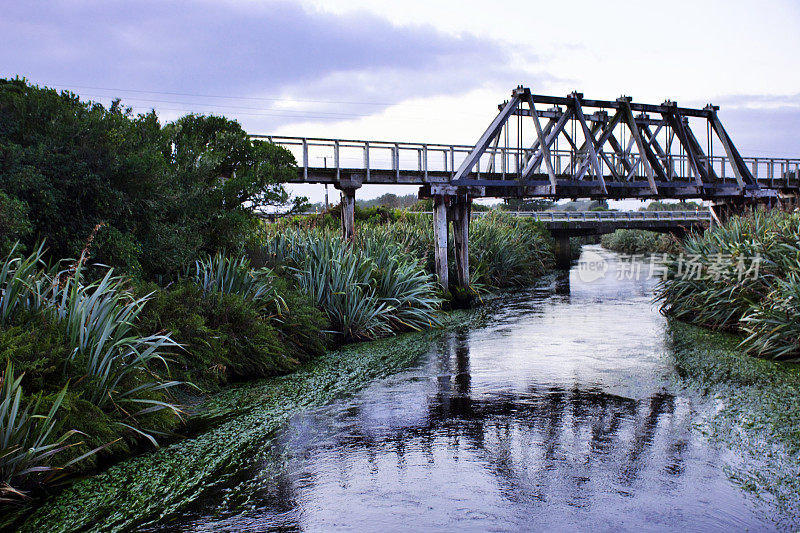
x=369, y=289
x=159, y=196
x=743, y=276
x=637, y=241
x=504, y=250
x=75, y=342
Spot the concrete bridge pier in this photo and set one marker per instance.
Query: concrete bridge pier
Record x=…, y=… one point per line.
x=563, y=252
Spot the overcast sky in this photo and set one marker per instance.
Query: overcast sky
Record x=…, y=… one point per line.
x=413, y=70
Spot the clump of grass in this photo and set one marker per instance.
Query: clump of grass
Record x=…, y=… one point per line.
x=504, y=251
x=762, y=303
x=223, y=273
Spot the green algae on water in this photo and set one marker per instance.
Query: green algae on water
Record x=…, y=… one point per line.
x=758, y=414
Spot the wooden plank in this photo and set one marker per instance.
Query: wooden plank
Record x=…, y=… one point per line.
x=348, y=214
x=461, y=211
x=440, y=239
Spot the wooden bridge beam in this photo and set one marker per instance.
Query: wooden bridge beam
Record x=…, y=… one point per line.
x=440, y=239
x=460, y=213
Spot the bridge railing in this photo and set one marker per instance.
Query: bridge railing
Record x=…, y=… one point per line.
x=576, y=216
x=434, y=162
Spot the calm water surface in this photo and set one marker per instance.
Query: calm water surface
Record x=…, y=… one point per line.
x=559, y=414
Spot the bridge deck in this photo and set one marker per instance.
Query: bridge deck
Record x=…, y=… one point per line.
x=497, y=173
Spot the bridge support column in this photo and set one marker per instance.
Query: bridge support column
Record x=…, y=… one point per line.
x=460, y=211
x=563, y=252
x=348, y=187
x=440, y=239
x=348, y=214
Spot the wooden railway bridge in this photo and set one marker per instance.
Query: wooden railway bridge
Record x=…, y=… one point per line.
x=554, y=147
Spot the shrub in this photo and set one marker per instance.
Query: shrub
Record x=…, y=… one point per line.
x=367, y=290
x=228, y=336
x=636, y=241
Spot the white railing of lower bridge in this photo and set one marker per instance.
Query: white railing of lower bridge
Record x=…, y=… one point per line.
x=589, y=216
x=583, y=216
x=426, y=159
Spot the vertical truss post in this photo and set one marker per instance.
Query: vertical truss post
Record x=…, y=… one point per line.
x=366, y=158
x=305, y=159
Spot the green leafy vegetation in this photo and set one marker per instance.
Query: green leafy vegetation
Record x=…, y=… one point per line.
x=162, y=304
x=27, y=444
x=637, y=241
x=368, y=290
x=158, y=196
x=76, y=343
x=743, y=277
x=504, y=250
x=240, y=422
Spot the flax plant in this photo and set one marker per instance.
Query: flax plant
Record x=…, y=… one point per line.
x=763, y=304
x=28, y=446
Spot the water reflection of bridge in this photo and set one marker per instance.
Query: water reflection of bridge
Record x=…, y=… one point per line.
x=575, y=446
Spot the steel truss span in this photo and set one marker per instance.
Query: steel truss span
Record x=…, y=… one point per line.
x=562, y=147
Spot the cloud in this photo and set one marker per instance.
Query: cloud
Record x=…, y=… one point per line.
x=246, y=49
x=759, y=101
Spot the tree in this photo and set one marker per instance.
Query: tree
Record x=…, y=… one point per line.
x=527, y=204
x=153, y=197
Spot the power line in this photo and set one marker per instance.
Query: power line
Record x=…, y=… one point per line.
x=311, y=113
x=262, y=98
